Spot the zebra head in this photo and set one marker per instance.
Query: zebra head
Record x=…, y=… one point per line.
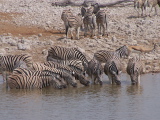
x=123, y=52
x=96, y=8
x=116, y=77
x=82, y=79
x=135, y=78
x=69, y=79
x=62, y=81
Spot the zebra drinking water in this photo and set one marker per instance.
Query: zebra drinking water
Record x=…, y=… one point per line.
x=135, y=69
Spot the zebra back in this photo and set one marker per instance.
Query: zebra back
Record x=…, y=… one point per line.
x=63, y=53
x=10, y=62
x=20, y=81
x=46, y=77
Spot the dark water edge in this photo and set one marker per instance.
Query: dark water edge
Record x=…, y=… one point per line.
x=106, y=102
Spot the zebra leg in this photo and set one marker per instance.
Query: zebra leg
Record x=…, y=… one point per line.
x=67, y=33
x=156, y=11
x=150, y=11
x=72, y=36
x=85, y=29
x=103, y=29
x=139, y=79
x=110, y=79
x=78, y=29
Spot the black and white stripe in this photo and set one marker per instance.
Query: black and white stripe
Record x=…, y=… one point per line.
x=89, y=21
x=95, y=71
x=64, y=16
x=102, y=22
x=26, y=79
x=66, y=76
x=103, y=56
x=9, y=62
x=63, y=53
x=134, y=69
x=113, y=69
x=69, y=70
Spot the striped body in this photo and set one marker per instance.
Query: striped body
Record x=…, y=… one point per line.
x=65, y=15
x=63, y=53
x=95, y=71
x=134, y=69
x=67, y=77
x=89, y=21
x=9, y=62
x=75, y=64
x=103, y=56
x=26, y=79
x=113, y=69
x=57, y=80
x=102, y=23
x=73, y=24
x=69, y=70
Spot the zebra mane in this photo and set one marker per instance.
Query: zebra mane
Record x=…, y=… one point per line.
x=121, y=48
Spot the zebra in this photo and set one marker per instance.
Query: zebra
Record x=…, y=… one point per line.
x=75, y=64
x=135, y=69
x=64, y=16
x=9, y=62
x=67, y=77
x=153, y=3
x=103, y=56
x=74, y=23
x=95, y=71
x=140, y=4
x=64, y=53
x=68, y=69
x=30, y=80
x=89, y=21
x=102, y=21
x=58, y=81
x=113, y=69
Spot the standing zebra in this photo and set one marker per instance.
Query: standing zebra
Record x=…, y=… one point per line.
x=65, y=15
x=103, y=56
x=29, y=80
x=102, y=22
x=89, y=21
x=95, y=71
x=135, y=69
x=74, y=23
x=9, y=62
x=69, y=70
x=113, y=69
x=63, y=53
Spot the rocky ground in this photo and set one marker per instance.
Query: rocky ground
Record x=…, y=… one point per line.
x=33, y=26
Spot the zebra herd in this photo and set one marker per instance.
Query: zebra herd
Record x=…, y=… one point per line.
x=65, y=66
x=90, y=17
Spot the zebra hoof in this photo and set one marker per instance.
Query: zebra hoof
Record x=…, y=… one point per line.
x=118, y=82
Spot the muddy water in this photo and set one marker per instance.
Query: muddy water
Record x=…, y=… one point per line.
x=107, y=102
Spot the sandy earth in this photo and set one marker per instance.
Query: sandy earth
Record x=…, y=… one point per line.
x=36, y=25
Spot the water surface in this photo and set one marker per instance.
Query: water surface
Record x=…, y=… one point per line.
x=107, y=102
